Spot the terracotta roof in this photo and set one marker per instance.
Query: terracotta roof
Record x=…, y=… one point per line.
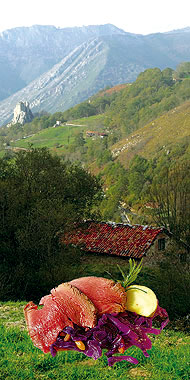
x=96, y=133
x=115, y=239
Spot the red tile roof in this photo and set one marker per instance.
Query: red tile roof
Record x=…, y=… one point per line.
x=114, y=239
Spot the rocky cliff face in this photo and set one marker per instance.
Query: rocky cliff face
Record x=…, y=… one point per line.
x=28, y=52
x=82, y=73
x=22, y=113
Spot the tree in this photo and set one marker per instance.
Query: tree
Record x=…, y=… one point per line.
x=137, y=177
x=40, y=196
x=79, y=140
x=100, y=104
x=168, y=76
x=116, y=181
x=170, y=193
x=183, y=70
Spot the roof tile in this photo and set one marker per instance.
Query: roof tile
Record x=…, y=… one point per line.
x=113, y=239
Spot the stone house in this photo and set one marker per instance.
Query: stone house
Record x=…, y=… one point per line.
x=125, y=241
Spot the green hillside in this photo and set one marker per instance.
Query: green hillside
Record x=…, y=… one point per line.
x=121, y=110
x=145, y=128
x=168, y=134
x=49, y=137
x=151, y=95
x=58, y=139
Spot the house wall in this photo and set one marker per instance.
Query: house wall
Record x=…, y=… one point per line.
x=154, y=255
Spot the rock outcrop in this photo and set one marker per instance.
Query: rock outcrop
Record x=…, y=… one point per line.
x=22, y=113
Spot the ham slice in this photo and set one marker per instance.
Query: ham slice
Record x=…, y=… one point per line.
x=63, y=307
x=106, y=295
x=45, y=324
x=77, y=305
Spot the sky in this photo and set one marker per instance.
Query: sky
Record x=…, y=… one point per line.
x=134, y=16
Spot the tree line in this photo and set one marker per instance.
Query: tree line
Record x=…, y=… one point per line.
x=158, y=190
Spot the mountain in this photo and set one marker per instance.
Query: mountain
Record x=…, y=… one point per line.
x=28, y=52
x=87, y=69
x=54, y=69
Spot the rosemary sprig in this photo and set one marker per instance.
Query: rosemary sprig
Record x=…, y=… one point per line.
x=134, y=270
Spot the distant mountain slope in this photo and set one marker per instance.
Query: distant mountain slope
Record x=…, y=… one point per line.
x=168, y=135
x=72, y=79
x=108, y=60
x=47, y=67
x=169, y=132
x=28, y=52
x=86, y=70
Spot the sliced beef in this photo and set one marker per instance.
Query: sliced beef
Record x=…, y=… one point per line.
x=77, y=305
x=45, y=324
x=63, y=307
x=106, y=295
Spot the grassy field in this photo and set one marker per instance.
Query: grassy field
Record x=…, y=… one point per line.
x=19, y=359
x=49, y=137
x=159, y=136
x=60, y=137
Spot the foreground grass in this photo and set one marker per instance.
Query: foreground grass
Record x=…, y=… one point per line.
x=19, y=359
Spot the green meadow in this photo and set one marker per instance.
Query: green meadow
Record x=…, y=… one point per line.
x=60, y=137
x=19, y=359
x=49, y=137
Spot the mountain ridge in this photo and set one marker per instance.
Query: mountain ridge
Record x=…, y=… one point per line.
x=122, y=57
x=60, y=73
x=31, y=51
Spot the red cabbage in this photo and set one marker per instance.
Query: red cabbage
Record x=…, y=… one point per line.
x=113, y=332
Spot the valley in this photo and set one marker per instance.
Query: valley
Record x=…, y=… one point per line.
x=126, y=135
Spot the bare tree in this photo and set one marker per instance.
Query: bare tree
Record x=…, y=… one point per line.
x=170, y=194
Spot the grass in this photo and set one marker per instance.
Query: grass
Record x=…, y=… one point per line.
x=19, y=359
x=95, y=121
x=58, y=139
x=159, y=136
x=11, y=314
x=162, y=135
x=48, y=137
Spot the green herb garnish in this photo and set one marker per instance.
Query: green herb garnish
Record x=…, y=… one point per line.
x=134, y=270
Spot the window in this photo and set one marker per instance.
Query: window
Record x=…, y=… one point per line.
x=183, y=257
x=161, y=244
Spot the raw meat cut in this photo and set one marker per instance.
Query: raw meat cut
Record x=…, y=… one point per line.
x=45, y=324
x=63, y=307
x=107, y=295
x=78, y=306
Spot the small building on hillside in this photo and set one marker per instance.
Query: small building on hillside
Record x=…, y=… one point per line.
x=96, y=134
x=57, y=123
x=124, y=241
